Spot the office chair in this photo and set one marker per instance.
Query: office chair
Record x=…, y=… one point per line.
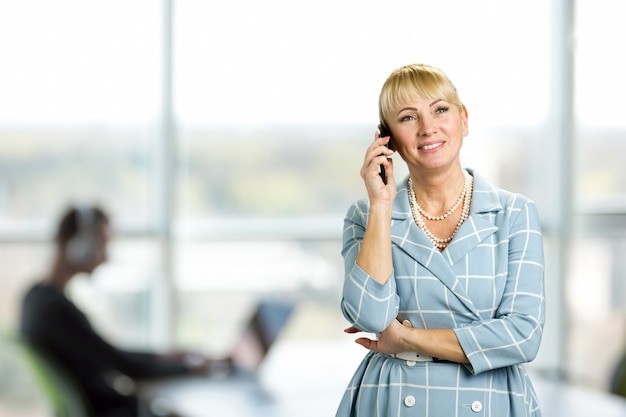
x=60, y=388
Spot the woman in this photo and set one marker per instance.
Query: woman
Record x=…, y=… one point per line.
x=444, y=267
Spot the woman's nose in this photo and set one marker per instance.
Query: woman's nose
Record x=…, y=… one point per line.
x=427, y=126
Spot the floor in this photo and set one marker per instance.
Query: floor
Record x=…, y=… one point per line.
x=304, y=378
x=308, y=379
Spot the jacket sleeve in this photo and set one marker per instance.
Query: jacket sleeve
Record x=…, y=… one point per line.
x=513, y=336
x=67, y=332
x=367, y=304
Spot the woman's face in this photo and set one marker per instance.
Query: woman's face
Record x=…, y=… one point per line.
x=428, y=133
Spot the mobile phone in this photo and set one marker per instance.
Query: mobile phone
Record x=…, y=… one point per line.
x=384, y=131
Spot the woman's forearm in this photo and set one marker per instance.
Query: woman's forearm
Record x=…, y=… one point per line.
x=438, y=343
x=375, y=253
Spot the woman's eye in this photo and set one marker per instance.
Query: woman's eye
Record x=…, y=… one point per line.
x=407, y=118
x=442, y=109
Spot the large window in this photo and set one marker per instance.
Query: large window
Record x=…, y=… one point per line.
x=226, y=139
x=273, y=117
x=596, y=294
x=81, y=88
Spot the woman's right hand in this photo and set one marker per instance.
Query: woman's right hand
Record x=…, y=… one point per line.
x=378, y=154
x=375, y=253
x=389, y=341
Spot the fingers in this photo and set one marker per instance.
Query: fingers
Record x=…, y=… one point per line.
x=376, y=155
x=388, y=164
x=384, y=342
x=380, y=147
x=367, y=343
x=363, y=341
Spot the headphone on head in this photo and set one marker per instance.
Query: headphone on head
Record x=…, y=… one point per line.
x=81, y=248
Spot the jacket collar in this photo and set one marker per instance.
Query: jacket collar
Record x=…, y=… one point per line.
x=406, y=235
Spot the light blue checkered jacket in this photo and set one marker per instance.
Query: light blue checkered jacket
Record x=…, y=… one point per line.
x=487, y=286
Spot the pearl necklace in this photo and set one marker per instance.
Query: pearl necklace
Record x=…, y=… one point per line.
x=441, y=243
x=466, y=187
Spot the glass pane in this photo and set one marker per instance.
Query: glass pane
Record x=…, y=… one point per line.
x=265, y=173
x=600, y=91
x=73, y=62
x=596, y=303
x=21, y=264
x=273, y=119
x=275, y=113
x=596, y=296
x=219, y=283
x=80, y=89
x=46, y=168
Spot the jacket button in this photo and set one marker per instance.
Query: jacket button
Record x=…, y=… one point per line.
x=409, y=401
x=477, y=406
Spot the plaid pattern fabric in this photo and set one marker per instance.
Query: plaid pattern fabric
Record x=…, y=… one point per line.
x=487, y=286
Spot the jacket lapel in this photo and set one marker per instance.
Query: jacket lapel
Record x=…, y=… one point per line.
x=479, y=225
x=406, y=235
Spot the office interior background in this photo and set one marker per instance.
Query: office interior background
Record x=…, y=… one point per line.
x=225, y=139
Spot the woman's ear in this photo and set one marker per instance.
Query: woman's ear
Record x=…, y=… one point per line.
x=464, y=118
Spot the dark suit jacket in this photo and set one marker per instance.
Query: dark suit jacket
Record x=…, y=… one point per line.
x=52, y=324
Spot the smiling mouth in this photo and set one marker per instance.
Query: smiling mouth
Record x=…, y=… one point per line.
x=431, y=146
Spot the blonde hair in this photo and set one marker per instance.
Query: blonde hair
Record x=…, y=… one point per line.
x=412, y=81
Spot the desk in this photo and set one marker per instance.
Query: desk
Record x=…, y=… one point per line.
x=562, y=400
x=293, y=381
x=308, y=380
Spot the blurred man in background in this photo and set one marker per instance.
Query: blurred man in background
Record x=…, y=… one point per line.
x=56, y=328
